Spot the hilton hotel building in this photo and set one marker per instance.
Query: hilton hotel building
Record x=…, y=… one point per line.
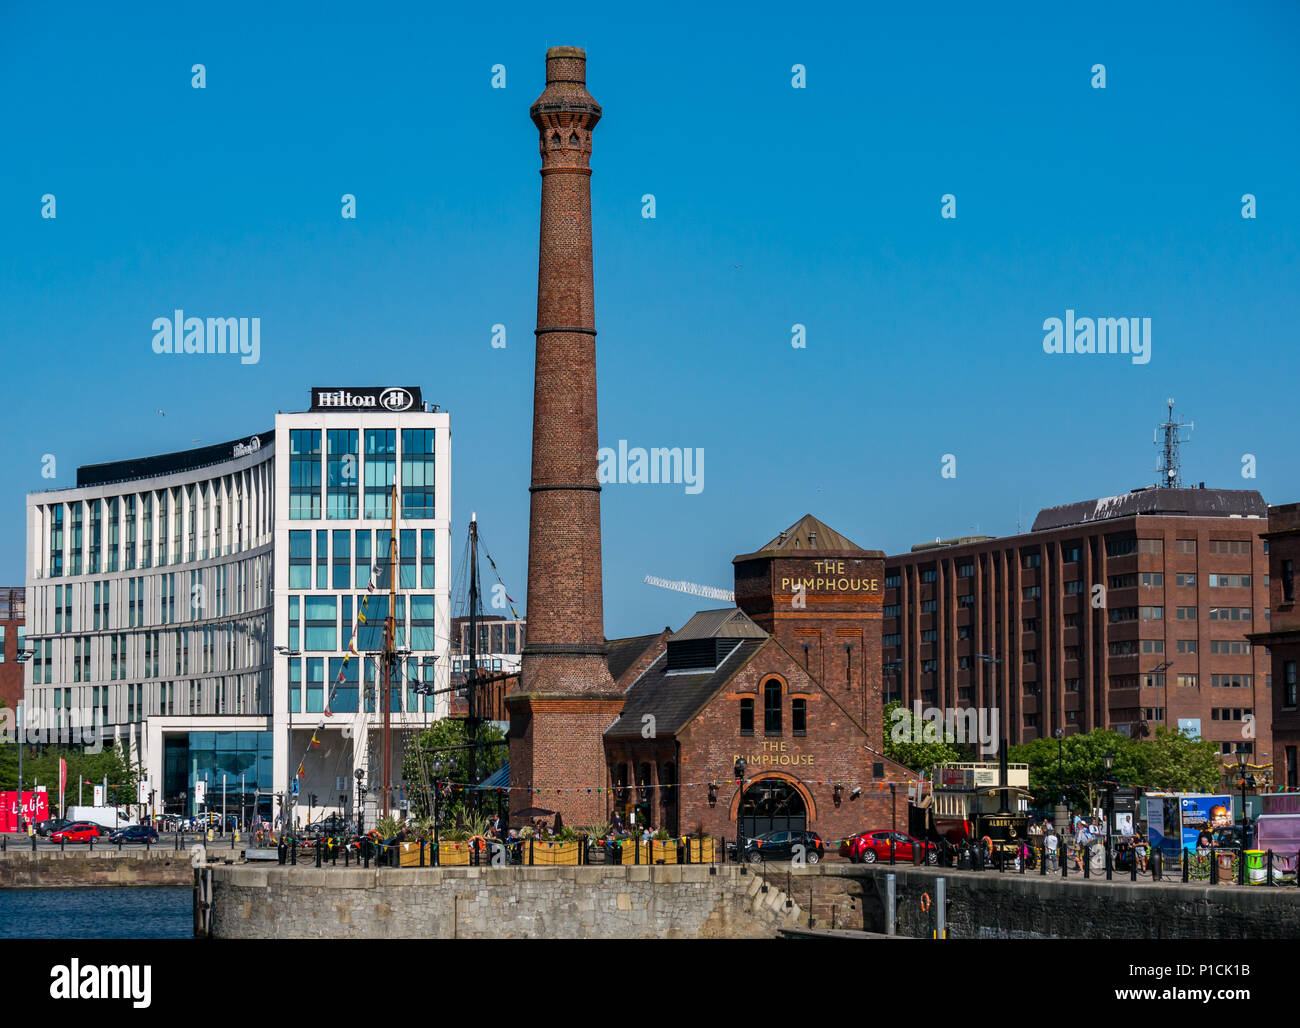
x=196, y=607
x=1126, y=612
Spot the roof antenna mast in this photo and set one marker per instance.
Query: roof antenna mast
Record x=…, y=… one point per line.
x=1169, y=471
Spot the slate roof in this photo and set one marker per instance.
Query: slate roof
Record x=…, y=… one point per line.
x=1195, y=503
x=810, y=534
x=621, y=654
x=675, y=699
x=728, y=623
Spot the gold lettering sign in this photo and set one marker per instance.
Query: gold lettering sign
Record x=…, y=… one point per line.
x=831, y=576
x=761, y=760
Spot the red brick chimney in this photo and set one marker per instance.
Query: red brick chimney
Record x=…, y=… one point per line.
x=566, y=697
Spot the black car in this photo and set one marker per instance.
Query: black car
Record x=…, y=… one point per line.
x=1229, y=837
x=134, y=833
x=784, y=846
x=43, y=828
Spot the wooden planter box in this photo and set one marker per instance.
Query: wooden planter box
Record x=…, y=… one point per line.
x=703, y=851
x=553, y=854
x=452, y=854
x=409, y=854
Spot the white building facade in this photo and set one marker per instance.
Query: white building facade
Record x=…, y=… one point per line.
x=196, y=607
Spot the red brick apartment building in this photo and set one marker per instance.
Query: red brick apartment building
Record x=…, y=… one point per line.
x=1282, y=640
x=13, y=621
x=1124, y=612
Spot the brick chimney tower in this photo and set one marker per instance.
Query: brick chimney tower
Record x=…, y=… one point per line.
x=566, y=697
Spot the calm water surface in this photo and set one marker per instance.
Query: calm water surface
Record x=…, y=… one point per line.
x=111, y=913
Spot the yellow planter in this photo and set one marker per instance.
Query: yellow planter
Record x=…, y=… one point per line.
x=409, y=854
x=703, y=851
x=452, y=854
x=554, y=854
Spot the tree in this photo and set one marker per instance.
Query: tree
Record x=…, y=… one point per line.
x=918, y=745
x=41, y=765
x=442, y=741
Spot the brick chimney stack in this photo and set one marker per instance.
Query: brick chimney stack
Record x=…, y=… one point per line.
x=566, y=697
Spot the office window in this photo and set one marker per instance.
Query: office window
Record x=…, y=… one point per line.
x=363, y=558
x=1186, y=645
x=893, y=580
x=772, y=707
x=891, y=610
x=74, y=538
x=428, y=554
x=1235, y=647
x=162, y=527
x=299, y=560
x=1229, y=547
x=304, y=474
x=381, y=457
x=1288, y=581
x=966, y=600
x=1122, y=581
x=1187, y=546
x=1121, y=547
x=1032, y=592
x=316, y=684
x=1188, y=681
x=406, y=571
x=1152, y=578
x=342, y=559
x=92, y=555
x=1073, y=620
x=929, y=606
x=1233, y=681
x=1122, y=647
x=343, y=698
x=146, y=530
x=1030, y=656
x=1230, y=581
x=1289, y=684
x=1072, y=653
x=930, y=665
x=930, y=635
x=1074, y=588
x=295, y=684
x=1071, y=553
x=1186, y=613
x=322, y=560
x=1031, y=560
x=1122, y=614
x=1153, y=646
x=1153, y=546
x=56, y=540
x=321, y=617
x=341, y=479
x=1153, y=613
x=417, y=472
x=128, y=558
x=295, y=619
x=892, y=639
x=1230, y=613
x=928, y=575
x=963, y=631
x=966, y=570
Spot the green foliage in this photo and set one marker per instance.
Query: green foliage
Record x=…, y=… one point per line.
x=1170, y=761
x=438, y=742
x=41, y=765
x=388, y=827
x=898, y=725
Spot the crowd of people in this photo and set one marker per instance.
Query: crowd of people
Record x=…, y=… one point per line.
x=1074, y=840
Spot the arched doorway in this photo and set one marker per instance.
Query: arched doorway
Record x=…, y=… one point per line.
x=772, y=805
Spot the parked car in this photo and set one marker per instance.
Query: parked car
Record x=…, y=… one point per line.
x=77, y=831
x=1229, y=837
x=53, y=824
x=134, y=833
x=782, y=846
x=871, y=846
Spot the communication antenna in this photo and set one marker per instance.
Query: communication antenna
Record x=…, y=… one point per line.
x=1169, y=471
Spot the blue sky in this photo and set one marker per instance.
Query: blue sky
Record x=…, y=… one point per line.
x=924, y=335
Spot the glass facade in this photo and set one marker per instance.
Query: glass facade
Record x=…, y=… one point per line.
x=381, y=458
x=206, y=756
x=304, y=474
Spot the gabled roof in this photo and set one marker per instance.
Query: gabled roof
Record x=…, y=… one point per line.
x=621, y=654
x=673, y=699
x=810, y=534
x=726, y=623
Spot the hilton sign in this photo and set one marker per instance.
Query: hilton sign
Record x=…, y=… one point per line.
x=391, y=398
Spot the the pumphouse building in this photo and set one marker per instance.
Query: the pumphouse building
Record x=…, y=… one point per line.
x=789, y=680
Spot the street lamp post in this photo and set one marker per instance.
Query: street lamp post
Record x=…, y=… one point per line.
x=1109, y=761
x=1160, y=670
x=361, y=801
x=437, y=770
x=285, y=807
x=740, y=809
x=23, y=656
x=1242, y=757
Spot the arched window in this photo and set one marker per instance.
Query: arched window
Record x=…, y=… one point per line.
x=772, y=707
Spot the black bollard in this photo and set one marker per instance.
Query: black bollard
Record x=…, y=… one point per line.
x=1269, y=857
x=318, y=856
x=1133, y=865
x=422, y=853
x=1214, y=869
x=1065, y=861
x=346, y=856
x=1109, y=867
x=891, y=851
x=293, y=852
x=366, y=853
x=281, y=852
x=1185, y=876
x=1042, y=862
x=34, y=843
x=63, y=844
x=1087, y=862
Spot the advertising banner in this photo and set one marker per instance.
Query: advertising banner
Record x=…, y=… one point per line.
x=36, y=807
x=1203, y=814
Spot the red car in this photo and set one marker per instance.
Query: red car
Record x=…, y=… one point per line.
x=78, y=831
x=872, y=846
